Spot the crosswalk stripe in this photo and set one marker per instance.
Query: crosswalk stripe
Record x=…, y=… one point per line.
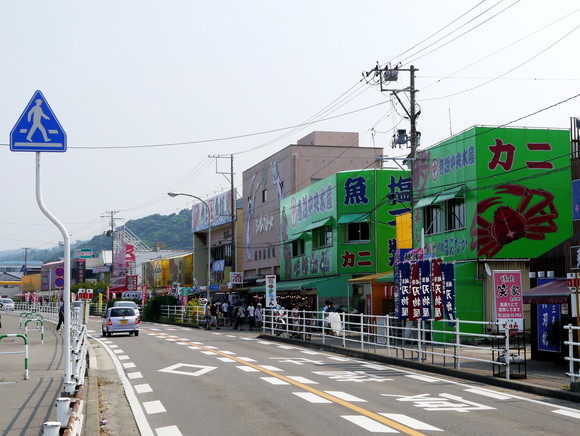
x=346, y=397
x=312, y=398
x=410, y=422
x=171, y=430
x=569, y=413
x=274, y=381
x=152, y=407
x=369, y=424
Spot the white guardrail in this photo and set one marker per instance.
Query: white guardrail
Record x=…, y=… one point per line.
x=69, y=409
x=573, y=361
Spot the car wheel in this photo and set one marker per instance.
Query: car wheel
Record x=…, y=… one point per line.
x=131, y=333
x=104, y=333
x=136, y=332
x=109, y=334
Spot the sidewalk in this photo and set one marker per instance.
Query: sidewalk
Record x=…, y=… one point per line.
x=27, y=404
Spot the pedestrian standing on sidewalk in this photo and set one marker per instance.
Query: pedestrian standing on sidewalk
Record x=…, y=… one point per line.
x=258, y=316
x=240, y=317
x=207, y=314
x=213, y=310
x=60, y=316
x=251, y=317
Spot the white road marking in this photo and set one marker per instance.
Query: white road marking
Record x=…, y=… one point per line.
x=339, y=359
x=226, y=359
x=569, y=413
x=208, y=352
x=172, y=430
x=129, y=365
x=155, y=329
x=369, y=424
x=272, y=368
x=246, y=359
x=424, y=378
x=152, y=407
x=197, y=369
x=228, y=352
x=265, y=343
x=170, y=330
x=134, y=375
x=303, y=380
x=247, y=369
x=113, y=346
x=310, y=352
x=274, y=381
x=123, y=357
x=287, y=347
x=312, y=398
x=211, y=347
x=490, y=394
x=143, y=388
x=171, y=339
x=91, y=331
x=118, y=351
x=182, y=343
x=378, y=367
x=248, y=339
x=409, y=421
x=346, y=397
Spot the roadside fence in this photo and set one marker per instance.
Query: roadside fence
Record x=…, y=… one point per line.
x=453, y=343
x=574, y=362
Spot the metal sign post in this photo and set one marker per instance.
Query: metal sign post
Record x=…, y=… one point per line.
x=38, y=130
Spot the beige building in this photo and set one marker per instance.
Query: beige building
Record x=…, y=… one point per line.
x=314, y=157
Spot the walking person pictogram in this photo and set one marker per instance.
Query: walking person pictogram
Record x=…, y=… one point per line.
x=37, y=114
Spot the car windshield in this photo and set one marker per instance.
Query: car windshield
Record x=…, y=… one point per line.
x=125, y=304
x=122, y=311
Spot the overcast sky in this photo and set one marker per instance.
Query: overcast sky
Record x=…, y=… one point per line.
x=147, y=90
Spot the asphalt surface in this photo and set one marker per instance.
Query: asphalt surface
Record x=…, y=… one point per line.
x=31, y=402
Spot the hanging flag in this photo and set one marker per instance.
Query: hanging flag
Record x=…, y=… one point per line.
x=403, y=282
x=415, y=294
x=448, y=273
x=437, y=289
x=425, y=278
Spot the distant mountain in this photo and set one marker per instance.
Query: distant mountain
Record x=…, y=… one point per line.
x=172, y=230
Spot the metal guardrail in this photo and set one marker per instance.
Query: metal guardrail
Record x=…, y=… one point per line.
x=69, y=419
x=25, y=352
x=573, y=373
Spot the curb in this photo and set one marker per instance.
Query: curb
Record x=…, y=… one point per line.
x=471, y=376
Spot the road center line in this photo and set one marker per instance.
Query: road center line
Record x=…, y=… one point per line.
x=353, y=407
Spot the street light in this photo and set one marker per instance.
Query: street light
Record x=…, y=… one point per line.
x=174, y=194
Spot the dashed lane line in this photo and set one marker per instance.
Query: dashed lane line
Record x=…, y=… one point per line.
x=388, y=423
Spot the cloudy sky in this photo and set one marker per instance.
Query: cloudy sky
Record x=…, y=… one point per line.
x=147, y=90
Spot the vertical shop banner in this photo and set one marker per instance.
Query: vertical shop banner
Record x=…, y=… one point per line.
x=415, y=294
x=448, y=274
x=271, y=291
x=425, y=278
x=437, y=289
x=509, y=304
x=403, y=285
x=548, y=327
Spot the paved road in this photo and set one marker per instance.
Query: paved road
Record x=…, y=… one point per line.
x=183, y=381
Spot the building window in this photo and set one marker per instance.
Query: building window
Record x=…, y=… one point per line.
x=298, y=247
x=432, y=219
x=455, y=214
x=358, y=232
x=322, y=237
x=264, y=195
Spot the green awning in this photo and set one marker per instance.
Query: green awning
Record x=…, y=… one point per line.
x=318, y=223
x=297, y=236
x=349, y=218
x=295, y=285
x=425, y=201
x=449, y=194
x=389, y=278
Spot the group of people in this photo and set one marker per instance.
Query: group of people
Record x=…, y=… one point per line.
x=237, y=314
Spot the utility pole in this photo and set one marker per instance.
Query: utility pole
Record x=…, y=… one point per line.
x=25, y=259
x=111, y=214
x=384, y=77
x=233, y=201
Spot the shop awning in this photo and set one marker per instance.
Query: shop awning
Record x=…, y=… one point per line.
x=449, y=194
x=373, y=278
x=297, y=236
x=440, y=197
x=555, y=292
x=425, y=201
x=349, y=218
x=294, y=285
x=389, y=278
x=318, y=223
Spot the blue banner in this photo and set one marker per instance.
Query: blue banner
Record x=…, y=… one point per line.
x=448, y=273
x=548, y=316
x=425, y=277
x=403, y=280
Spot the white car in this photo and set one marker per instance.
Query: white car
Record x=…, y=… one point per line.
x=7, y=303
x=131, y=304
x=120, y=320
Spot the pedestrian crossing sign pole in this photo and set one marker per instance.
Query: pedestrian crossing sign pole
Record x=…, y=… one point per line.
x=38, y=129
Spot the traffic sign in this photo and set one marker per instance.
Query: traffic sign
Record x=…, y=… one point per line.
x=59, y=271
x=59, y=282
x=38, y=129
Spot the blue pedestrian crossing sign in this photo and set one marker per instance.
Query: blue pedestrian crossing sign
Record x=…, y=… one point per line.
x=37, y=129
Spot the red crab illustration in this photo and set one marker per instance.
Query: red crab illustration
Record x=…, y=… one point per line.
x=529, y=220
